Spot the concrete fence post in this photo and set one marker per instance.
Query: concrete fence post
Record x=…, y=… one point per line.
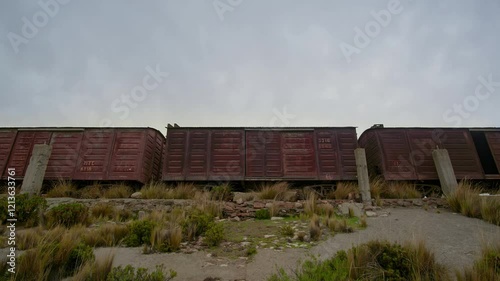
x=33, y=178
x=363, y=179
x=445, y=171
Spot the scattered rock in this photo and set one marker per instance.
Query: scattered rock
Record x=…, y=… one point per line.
x=236, y=219
x=136, y=195
x=290, y=196
x=298, y=205
x=269, y=236
x=269, y=205
x=244, y=196
x=258, y=205
x=355, y=207
x=239, y=201
x=307, y=238
x=276, y=218
x=371, y=214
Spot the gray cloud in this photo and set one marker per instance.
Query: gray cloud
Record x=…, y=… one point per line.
x=264, y=55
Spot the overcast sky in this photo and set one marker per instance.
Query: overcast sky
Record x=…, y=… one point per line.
x=245, y=62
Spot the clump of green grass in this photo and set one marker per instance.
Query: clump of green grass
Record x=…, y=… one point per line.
x=29, y=209
x=375, y=260
x=222, y=192
x=287, y=230
x=466, y=200
x=487, y=267
x=118, y=191
x=68, y=215
x=63, y=188
x=262, y=214
x=274, y=191
x=130, y=273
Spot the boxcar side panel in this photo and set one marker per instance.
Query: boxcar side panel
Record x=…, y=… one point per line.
x=7, y=138
x=396, y=154
x=463, y=155
x=64, y=156
x=255, y=154
x=299, y=156
x=227, y=154
x=198, y=153
x=175, y=155
x=373, y=150
x=23, y=147
x=155, y=147
x=347, y=143
x=95, y=153
x=422, y=143
x=327, y=154
x=494, y=142
x=127, y=156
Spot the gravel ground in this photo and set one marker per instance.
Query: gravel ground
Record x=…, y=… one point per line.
x=455, y=240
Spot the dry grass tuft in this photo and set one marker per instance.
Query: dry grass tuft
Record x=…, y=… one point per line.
x=97, y=270
x=310, y=207
x=103, y=211
x=487, y=267
x=338, y=225
x=184, y=191
x=155, y=190
x=167, y=238
x=362, y=221
x=106, y=235
x=93, y=191
x=343, y=190
x=466, y=200
x=63, y=188
x=29, y=238
x=393, y=190
x=315, y=228
x=274, y=191
x=118, y=191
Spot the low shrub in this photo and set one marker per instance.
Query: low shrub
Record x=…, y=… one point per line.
x=68, y=214
x=139, y=233
x=221, y=192
x=262, y=214
x=214, y=234
x=374, y=260
x=195, y=224
x=129, y=273
x=251, y=250
x=78, y=256
x=29, y=209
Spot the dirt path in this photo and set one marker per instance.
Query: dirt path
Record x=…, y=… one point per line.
x=456, y=241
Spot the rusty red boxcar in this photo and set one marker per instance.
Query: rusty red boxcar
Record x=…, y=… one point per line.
x=93, y=154
x=238, y=154
x=406, y=153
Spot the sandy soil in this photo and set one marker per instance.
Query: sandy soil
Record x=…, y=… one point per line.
x=455, y=240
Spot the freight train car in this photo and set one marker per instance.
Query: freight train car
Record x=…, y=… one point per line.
x=87, y=154
x=259, y=154
x=406, y=153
